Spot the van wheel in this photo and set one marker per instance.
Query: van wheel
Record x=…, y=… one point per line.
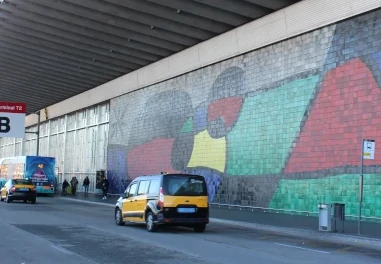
x=7, y=200
x=118, y=217
x=151, y=227
x=199, y=228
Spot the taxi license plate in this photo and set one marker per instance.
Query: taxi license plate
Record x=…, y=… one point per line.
x=186, y=210
x=24, y=189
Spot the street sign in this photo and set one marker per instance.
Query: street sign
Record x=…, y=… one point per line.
x=12, y=119
x=369, y=148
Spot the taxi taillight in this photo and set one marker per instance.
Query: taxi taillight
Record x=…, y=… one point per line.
x=13, y=189
x=161, y=198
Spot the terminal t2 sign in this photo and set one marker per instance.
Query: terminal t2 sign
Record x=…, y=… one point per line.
x=12, y=119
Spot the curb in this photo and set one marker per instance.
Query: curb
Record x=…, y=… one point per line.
x=300, y=233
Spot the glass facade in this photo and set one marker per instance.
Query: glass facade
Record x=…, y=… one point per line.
x=77, y=140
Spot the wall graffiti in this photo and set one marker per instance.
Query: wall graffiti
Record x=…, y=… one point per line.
x=280, y=127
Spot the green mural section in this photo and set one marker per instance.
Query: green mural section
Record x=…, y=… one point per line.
x=305, y=195
x=260, y=141
x=188, y=126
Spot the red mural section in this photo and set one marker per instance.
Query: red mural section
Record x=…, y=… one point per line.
x=150, y=158
x=228, y=108
x=347, y=109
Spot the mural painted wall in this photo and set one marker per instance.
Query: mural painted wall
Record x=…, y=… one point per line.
x=279, y=127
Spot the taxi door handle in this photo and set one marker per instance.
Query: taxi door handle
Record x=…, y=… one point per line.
x=135, y=200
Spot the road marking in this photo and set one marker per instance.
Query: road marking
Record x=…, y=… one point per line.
x=319, y=251
x=266, y=237
x=344, y=249
x=61, y=249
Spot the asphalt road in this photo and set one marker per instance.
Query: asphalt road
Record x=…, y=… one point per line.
x=60, y=231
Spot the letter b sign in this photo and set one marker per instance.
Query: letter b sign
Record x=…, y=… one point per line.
x=4, y=124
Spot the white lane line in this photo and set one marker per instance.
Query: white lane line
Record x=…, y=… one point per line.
x=61, y=249
x=319, y=251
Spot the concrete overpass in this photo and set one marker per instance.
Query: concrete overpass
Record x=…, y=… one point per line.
x=55, y=49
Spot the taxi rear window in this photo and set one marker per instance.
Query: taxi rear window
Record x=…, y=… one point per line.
x=26, y=182
x=184, y=185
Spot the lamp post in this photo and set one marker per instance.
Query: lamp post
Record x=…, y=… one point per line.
x=37, y=132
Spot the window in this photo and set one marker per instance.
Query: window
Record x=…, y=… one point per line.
x=132, y=190
x=154, y=187
x=19, y=181
x=143, y=187
x=185, y=185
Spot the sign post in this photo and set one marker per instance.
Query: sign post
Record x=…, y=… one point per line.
x=12, y=119
x=367, y=152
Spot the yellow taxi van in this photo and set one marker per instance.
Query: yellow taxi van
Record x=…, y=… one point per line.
x=165, y=199
x=18, y=189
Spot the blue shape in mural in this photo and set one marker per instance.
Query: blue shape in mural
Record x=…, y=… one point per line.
x=377, y=58
x=117, y=169
x=200, y=119
x=212, y=178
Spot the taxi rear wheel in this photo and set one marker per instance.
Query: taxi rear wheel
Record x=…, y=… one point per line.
x=33, y=201
x=150, y=224
x=199, y=228
x=118, y=217
x=7, y=199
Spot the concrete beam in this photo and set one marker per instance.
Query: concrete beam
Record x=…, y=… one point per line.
x=46, y=75
x=61, y=70
x=64, y=64
x=18, y=91
x=243, y=8
x=30, y=87
x=70, y=22
x=54, y=54
x=18, y=72
x=128, y=18
x=273, y=4
x=72, y=46
x=80, y=34
x=204, y=11
x=171, y=14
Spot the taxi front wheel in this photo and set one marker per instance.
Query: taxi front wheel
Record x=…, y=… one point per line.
x=118, y=217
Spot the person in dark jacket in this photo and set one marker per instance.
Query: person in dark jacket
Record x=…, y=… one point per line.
x=105, y=185
x=74, y=184
x=86, y=184
x=65, y=185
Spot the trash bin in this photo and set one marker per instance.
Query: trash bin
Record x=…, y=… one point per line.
x=325, y=223
x=339, y=216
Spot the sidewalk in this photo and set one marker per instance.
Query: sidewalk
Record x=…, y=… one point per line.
x=295, y=225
